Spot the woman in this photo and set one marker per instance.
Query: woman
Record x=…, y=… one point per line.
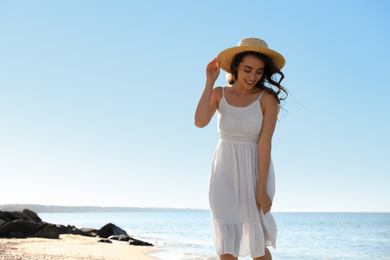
x=242, y=182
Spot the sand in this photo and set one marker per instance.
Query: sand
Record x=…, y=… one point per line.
x=71, y=247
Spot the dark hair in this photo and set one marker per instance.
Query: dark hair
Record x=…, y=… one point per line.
x=268, y=75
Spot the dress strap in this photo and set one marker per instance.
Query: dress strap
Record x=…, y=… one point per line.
x=223, y=91
x=260, y=95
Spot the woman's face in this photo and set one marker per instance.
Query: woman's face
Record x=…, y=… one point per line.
x=250, y=71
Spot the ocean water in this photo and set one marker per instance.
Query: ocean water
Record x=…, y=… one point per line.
x=186, y=235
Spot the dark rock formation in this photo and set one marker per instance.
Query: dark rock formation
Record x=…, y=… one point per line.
x=105, y=241
x=62, y=229
x=109, y=230
x=137, y=242
x=119, y=238
x=15, y=215
x=4, y=217
x=130, y=240
x=73, y=230
x=19, y=228
x=2, y=222
x=89, y=232
x=50, y=231
x=43, y=225
x=15, y=224
x=32, y=215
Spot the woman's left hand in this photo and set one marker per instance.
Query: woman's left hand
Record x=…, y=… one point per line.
x=263, y=201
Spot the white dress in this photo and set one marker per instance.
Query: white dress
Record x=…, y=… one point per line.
x=238, y=227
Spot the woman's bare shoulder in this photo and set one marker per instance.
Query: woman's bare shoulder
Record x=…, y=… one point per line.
x=218, y=89
x=217, y=92
x=269, y=102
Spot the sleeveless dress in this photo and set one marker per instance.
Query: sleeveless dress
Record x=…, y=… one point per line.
x=238, y=227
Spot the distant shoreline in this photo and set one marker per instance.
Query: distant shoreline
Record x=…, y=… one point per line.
x=81, y=209
x=96, y=209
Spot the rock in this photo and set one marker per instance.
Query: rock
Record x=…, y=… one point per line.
x=109, y=230
x=19, y=228
x=137, y=242
x=4, y=217
x=62, y=229
x=120, y=238
x=89, y=232
x=42, y=225
x=49, y=231
x=32, y=215
x=15, y=215
x=2, y=222
x=73, y=230
x=105, y=241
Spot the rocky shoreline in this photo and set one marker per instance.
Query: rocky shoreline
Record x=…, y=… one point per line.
x=27, y=223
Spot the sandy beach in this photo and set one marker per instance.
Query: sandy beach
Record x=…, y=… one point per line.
x=71, y=247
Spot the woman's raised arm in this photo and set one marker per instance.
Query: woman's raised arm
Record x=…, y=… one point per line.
x=208, y=102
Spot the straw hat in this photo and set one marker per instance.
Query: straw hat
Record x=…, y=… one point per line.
x=225, y=57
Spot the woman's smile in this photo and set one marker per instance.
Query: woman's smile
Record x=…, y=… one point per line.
x=250, y=71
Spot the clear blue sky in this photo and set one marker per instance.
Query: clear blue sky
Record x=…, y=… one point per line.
x=97, y=100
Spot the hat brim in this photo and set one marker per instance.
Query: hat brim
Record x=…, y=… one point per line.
x=225, y=57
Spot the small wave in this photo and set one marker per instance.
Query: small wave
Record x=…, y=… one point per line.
x=174, y=255
x=199, y=257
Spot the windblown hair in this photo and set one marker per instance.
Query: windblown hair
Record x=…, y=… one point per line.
x=269, y=73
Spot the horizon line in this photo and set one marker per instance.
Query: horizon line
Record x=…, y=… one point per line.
x=11, y=205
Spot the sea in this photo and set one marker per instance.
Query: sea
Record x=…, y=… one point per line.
x=186, y=235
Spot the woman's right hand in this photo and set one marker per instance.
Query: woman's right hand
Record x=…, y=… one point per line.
x=208, y=102
x=212, y=70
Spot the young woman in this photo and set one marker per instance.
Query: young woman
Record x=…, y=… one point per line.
x=242, y=181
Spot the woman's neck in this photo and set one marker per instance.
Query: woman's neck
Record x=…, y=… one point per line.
x=242, y=91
